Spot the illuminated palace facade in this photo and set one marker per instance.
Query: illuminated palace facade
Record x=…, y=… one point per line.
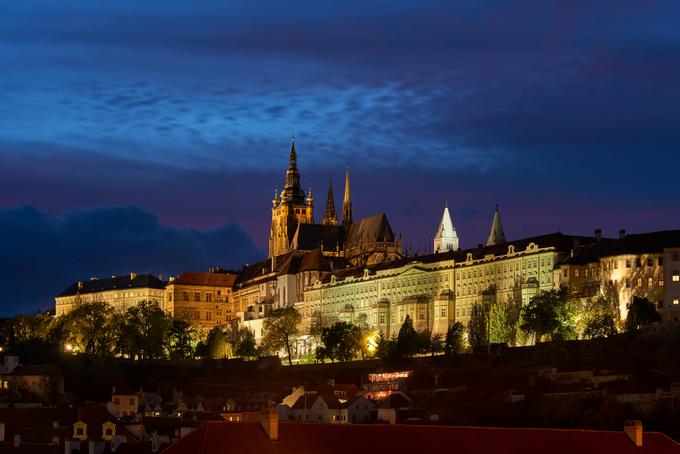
x=355, y=271
x=342, y=269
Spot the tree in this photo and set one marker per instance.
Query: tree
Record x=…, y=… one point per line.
x=92, y=329
x=504, y=322
x=217, y=344
x=182, y=337
x=436, y=344
x=386, y=348
x=477, y=327
x=406, y=340
x=246, y=347
x=551, y=314
x=340, y=341
x=641, y=312
x=144, y=331
x=279, y=329
x=598, y=318
x=453, y=342
x=600, y=326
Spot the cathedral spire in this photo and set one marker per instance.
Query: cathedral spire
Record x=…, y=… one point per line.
x=347, y=201
x=496, y=235
x=446, y=238
x=292, y=192
x=330, y=217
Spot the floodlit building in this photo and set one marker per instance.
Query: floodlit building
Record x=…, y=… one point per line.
x=120, y=292
x=646, y=265
x=203, y=299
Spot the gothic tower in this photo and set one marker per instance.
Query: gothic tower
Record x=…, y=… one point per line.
x=330, y=217
x=347, y=202
x=496, y=235
x=446, y=238
x=289, y=208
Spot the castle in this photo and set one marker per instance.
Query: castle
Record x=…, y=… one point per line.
x=357, y=271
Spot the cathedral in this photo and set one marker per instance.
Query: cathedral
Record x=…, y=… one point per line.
x=366, y=241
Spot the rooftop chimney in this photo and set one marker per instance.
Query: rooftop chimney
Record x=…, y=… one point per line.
x=80, y=285
x=270, y=423
x=159, y=276
x=598, y=235
x=633, y=428
x=133, y=275
x=622, y=233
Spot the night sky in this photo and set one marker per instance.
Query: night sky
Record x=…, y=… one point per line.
x=149, y=136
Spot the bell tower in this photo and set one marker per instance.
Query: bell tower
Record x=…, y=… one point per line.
x=289, y=208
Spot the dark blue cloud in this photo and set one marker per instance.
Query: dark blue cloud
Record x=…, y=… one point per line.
x=44, y=253
x=563, y=112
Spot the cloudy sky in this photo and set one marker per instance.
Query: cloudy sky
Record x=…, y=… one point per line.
x=149, y=136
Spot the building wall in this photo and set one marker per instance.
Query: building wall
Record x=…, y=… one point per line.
x=620, y=277
x=201, y=305
x=383, y=299
x=120, y=300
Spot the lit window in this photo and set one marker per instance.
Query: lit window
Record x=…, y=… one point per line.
x=650, y=282
x=676, y=301
x=660, y=282
x=639, y=282
x=576, y=272
x=676, y=276
x=628, y=263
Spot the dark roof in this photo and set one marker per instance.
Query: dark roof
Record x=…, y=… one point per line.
x=115, y=283
x=374, y=229
x=313, y=236
x=639, y=243
x=206, y=279
x=559, y=241
x=226, y=437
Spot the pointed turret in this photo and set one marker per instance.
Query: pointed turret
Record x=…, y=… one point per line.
x=446, y=238
x=330, y=217
x=496, y=235
x=347, y=202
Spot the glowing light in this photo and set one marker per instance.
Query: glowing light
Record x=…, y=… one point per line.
x=371, y=341
x=68, y=347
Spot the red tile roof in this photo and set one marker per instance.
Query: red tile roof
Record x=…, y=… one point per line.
x=206, y=279
x=297, y=438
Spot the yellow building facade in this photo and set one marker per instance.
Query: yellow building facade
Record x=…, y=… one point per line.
x=119, y=292
x=203, y=299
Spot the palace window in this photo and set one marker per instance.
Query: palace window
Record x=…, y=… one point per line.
x=197, y=296
x=676, y=276
x=639, y=282
x=443, y=312
x=676, y=256
x=208, y=297
x=650, y=262
x=185, y=296
x=208, y=315
x=650, y=282
x=661, y=282
x=576, y=272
